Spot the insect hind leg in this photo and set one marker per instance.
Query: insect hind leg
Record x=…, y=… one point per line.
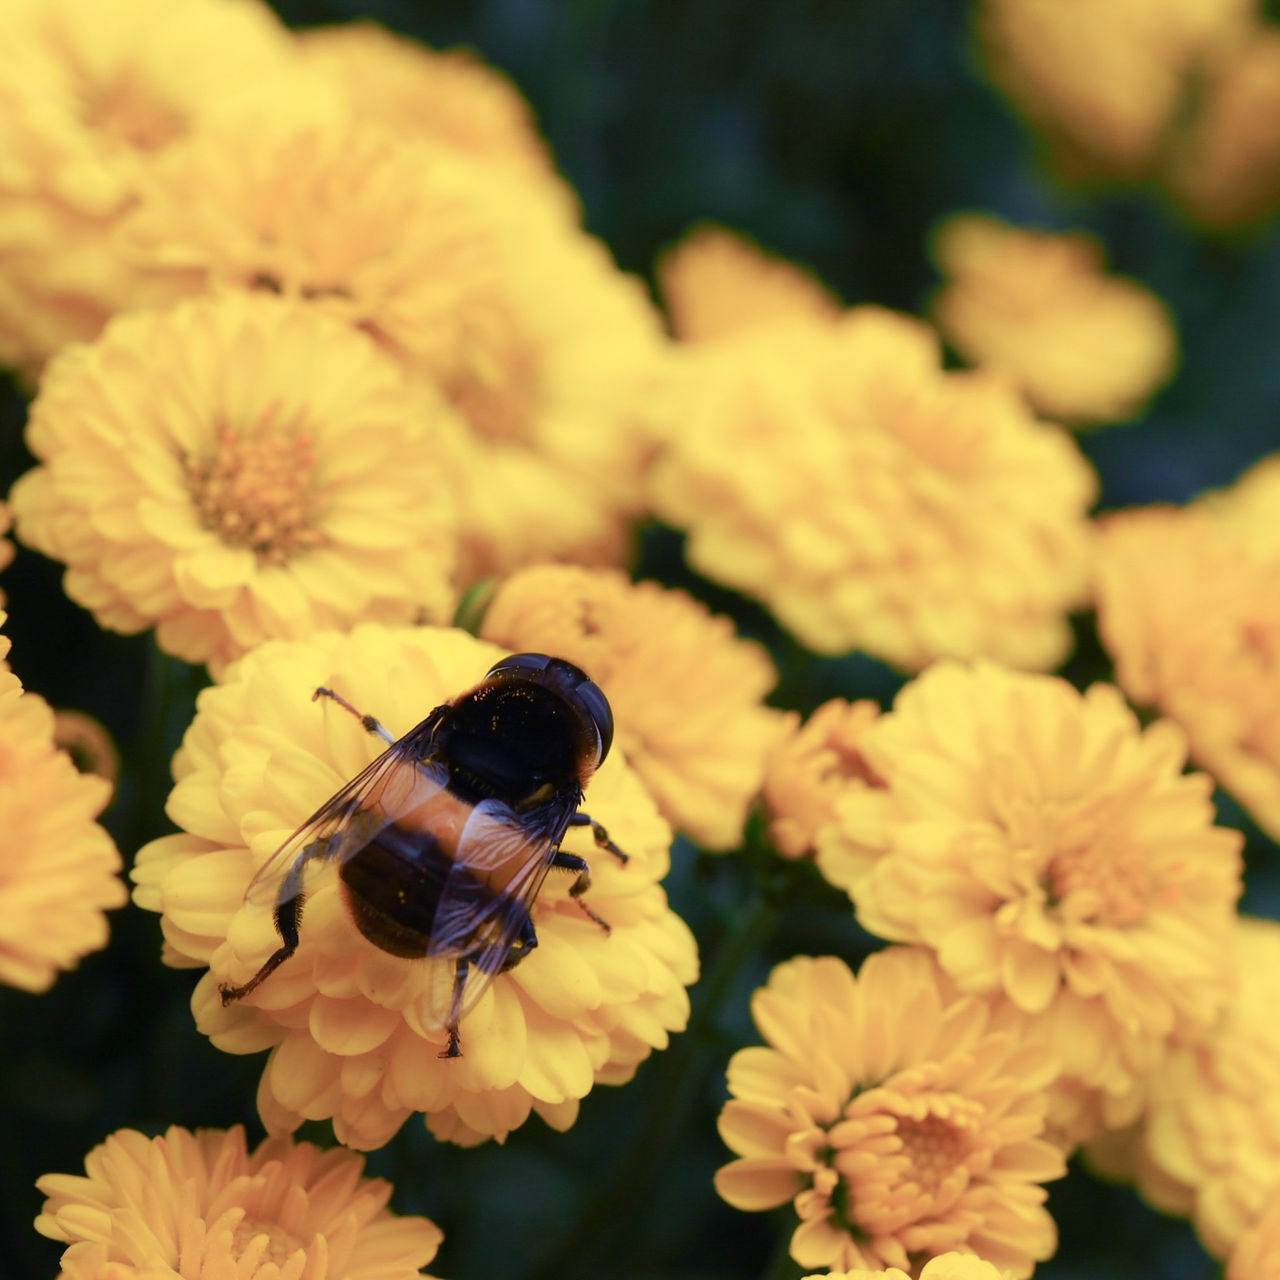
x=454, y=1050
x=601, y=835
x=571, y=862
x=288, y=918
x=370, y=723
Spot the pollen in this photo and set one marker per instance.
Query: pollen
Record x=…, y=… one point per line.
x=257, y=1245
x=255, y=491
x=1103, y=881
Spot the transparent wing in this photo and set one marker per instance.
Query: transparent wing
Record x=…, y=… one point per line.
x=395, y=783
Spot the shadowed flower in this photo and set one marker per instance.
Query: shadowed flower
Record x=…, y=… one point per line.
x=946, y=1266
x=1083, y=346
x=687, y=693
x=473, y=279
x=344, y=1019
x=58, y=868
x=199, y=1206
x=716, y=283
x=812, y=768
x=893, y=1115
x=239, y=468
x=874, y=501
x=1054, y=854
x=1200, y=640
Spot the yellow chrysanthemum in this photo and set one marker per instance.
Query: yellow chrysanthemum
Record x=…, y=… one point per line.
x=88, y=743
x=716, y=283
x=946, y=1266
x=1201, y=638
x=812, y=769
x=239, y=468
x=1208, y=1146
x=874, y=501
x=896, y=1118
x=1256, y=1255
x=58, y=868
x=1054, y=854
x=473, y=279
x=686, y=692
x=341, y=1016
x=1083, y=346
x=199, y=1206
x=92, y=94
x=1101, y=79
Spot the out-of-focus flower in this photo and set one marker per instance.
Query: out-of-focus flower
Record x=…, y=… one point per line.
x=895, y=1117
x=88, y=744
x=58, y=867
x=1083, y=346
x=1101, y=79
x=200, y=1206
x=946, y=1266
x=686, y=692
x=716, y=283
x=473, y=279
x=1208, y=1146
x=1053, y=854
x=809, y=771
x=874, y=501
x=239, y=468
x=343, y=1017
x=1200, y=639
x=7, y=549
x=92, y=94
x=1256, y=1255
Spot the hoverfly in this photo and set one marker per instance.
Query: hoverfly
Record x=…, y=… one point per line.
x=442, y=843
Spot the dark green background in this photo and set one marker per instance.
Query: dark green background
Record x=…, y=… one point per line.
x=834, y=133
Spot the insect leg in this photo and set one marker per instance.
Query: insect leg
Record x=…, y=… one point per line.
x=461, y=965
x=524, y=943
x=370, y=724
x=571, y=862
x=288, y=918
x=601, y=835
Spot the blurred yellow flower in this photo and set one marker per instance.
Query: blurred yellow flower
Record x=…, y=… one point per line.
x=1200, y=639
x=716, y=283
x=199, y=1206
x=1053, y=853
x=92, y=94
x=58, y=869
x=1208, y=1146
x=342, y=1017
x=874, y=501
x=1083, y=346
x=946, y=1266
x=894, y=1117
x=473, y=278
x=1256, y=1255
x=687, y=693
x=811, y=769
x=239, y=468
x=88, y=743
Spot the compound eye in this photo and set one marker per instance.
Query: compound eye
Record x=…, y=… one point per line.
x=597, y=707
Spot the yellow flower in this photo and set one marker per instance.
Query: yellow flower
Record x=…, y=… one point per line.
x=686, y=692
x=812, y=769
x=341, y=1016
x=1256, y=1255
x=473, y=278
x=1208, y=1146
x=58, y=869
x=946, y=1266
x=88, y=744
x=716, y=283
x=93, y=93
x=1051, y=853
x=894, y=1116
x=199, y=1206
x=239, y=468
x=1201, y=639
x=1083, y=346
x=874, y=501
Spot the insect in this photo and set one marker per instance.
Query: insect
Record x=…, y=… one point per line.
x=442, y=843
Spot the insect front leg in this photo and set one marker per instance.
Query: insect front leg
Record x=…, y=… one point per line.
x=288, y=919
x=371, y=724
x=601, y=835
x=571, y=862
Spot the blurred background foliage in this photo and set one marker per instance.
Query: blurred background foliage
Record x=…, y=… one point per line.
x=836, y=133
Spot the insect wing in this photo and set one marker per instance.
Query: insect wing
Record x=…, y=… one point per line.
x=394, y=784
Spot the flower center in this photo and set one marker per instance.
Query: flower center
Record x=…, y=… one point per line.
x=255, y=490
x=1103, y=880
x=257, y=1245
x=126, y=110
x=497, y=382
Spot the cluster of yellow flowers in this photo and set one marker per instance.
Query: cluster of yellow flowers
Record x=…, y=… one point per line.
x=379, y=366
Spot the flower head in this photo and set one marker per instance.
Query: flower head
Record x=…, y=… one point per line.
x=59, y=868
x=239, y=468
x=946, y=1266
x=811, y=770
x=1083, y=346
x=1201, y=640
x=899, y=1121
x=686, y=692
x=1052, y=854
x=200, y=1206
x=874, y=501
x=344, y=1018
x=1256, y=1255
